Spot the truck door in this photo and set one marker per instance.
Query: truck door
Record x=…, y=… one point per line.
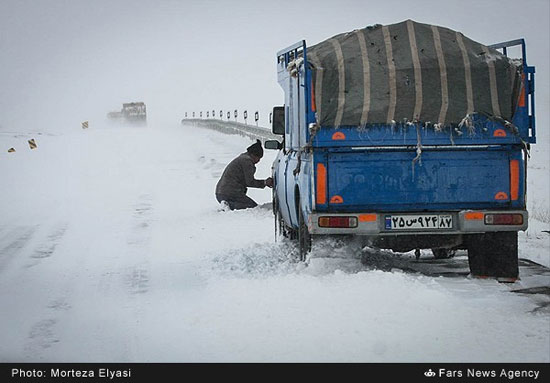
x=291, y=77
x=294, y=124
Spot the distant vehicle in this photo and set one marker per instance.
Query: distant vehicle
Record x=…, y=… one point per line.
x=131, y=112
x=410, y=136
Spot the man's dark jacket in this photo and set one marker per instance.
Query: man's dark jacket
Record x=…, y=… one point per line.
x=237, y=177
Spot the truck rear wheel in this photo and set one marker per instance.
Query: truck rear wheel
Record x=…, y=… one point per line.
x=304, y=238
x=494, y=255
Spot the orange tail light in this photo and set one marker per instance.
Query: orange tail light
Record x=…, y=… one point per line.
x=514, y=180
x=321, y=190
x=367, y=218
x=474, y=216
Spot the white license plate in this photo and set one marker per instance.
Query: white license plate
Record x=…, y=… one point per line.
x=419, y=222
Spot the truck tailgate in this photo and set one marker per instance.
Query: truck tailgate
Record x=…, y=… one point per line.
x=440, y=179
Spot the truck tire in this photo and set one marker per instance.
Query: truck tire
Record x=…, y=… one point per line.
x=443, y=253
x=494, y=255
x=284, y=230
x=304, y=238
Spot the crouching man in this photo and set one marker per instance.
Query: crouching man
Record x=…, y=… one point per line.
x=238, y=176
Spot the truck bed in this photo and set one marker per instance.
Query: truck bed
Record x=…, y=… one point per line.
x=440, y=178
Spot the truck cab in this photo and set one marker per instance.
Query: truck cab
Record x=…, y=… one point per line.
x=405, y=183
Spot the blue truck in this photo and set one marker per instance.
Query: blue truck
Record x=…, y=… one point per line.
x=409, y=136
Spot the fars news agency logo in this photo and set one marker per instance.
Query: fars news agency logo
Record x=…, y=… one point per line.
x=429, y=373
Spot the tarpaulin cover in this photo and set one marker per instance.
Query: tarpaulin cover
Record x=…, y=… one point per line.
x=410, y=72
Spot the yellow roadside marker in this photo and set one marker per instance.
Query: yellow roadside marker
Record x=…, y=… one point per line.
x=11, y=150
x=85, y=125
x=32, y=144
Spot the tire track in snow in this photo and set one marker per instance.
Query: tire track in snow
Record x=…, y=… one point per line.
x=42, y=334
x=126, y=279
x=137, y=279
x=137, y=276
x=47, y=248
x=17, y=239
x=125, y=282
x=132, y=268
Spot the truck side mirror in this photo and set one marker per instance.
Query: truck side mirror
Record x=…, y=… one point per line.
x=273, y=144
x=278, y=125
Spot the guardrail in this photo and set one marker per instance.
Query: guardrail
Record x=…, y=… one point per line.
x=212, y=115
x=232, y=127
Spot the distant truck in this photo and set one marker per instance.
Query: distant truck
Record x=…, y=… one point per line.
x=411, y=136
x=132, y=112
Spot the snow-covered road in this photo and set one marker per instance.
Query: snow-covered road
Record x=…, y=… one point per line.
x=112, y=250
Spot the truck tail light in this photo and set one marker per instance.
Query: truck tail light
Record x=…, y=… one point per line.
x=321, y=189
x=503, y=219
x=473, y=216
x=368, y=217
x=345, y=222
x=514, y=180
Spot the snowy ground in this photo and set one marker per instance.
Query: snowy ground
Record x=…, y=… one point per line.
x=112, y=250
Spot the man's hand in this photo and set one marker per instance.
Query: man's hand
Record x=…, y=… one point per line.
x=269, y=182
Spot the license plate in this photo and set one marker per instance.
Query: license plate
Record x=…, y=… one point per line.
x=419, y=222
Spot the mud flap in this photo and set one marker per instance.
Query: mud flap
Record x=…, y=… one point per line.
x=494, y=255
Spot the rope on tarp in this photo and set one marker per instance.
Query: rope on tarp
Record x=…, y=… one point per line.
x=418, y=157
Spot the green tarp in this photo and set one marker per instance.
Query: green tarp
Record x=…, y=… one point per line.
x=410, y=72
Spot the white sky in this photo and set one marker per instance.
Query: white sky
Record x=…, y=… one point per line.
x=65, y=61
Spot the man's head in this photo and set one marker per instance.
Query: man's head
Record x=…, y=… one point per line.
x=256, y=151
